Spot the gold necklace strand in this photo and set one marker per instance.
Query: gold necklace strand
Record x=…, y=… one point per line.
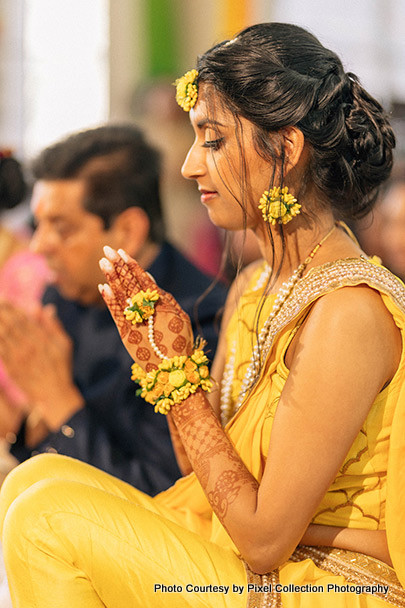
x=318, y=246
x=255, y=362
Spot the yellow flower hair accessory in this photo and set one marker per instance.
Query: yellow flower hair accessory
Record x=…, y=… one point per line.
x=173, y=381
x=141, y=306
x=187, y=90
x=278, y=206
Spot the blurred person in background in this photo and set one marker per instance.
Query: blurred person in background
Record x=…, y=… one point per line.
x=95, y=187
x=23, y=276
x=391, y=210
x=382, y=232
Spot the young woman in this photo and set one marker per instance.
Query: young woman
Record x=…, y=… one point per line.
x=296, y=498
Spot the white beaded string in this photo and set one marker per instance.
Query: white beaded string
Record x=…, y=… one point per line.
x=253, y=369
x=229, y=370
x=151, y=338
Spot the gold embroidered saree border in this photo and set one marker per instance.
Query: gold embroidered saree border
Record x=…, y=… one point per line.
x=356, y=568
x=269, y=598
x=318, y=282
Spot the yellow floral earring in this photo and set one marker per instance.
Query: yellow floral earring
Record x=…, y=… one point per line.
x=278, y=206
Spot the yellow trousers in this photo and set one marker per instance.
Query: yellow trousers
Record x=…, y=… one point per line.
x=74, y=536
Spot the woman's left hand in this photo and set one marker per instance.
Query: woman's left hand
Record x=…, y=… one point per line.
x=172, y=328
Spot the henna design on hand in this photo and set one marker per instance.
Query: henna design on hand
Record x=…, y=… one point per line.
x=175, y=325
x=125, y=278
x=227, y=488
x=120, y=321
x=179, y=344
x=135, y=337
x=158, y=336
x=204, y=471
x=203, y=444
x=143, y=354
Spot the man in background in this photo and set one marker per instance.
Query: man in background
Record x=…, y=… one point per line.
x=97, y=187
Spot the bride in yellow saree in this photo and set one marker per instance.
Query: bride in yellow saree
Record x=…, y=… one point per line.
x=293, y=489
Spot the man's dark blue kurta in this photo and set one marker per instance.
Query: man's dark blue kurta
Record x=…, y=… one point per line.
x=117, y=431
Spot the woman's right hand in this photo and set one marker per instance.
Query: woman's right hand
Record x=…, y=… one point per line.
x=172, y=328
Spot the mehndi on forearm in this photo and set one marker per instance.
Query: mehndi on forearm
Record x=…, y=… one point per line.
x=217, y=465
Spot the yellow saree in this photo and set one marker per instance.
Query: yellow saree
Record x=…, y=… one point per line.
x=368, y=491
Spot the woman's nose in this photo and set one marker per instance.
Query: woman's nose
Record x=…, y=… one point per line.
x=194, y=165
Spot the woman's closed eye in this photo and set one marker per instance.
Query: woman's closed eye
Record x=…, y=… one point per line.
x=213, y=144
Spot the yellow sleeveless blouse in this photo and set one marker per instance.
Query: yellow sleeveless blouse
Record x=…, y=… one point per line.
x=362, y=494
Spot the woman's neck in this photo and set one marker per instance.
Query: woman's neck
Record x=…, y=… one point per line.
x=300, y=241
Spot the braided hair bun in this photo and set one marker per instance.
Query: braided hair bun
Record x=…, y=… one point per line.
x=278, y=75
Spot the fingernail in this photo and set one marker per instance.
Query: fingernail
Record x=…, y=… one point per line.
x=106, y=265
x=105, y=289
x=110, y=253
x=123, y=254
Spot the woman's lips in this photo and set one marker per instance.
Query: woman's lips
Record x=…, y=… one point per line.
x=207, y=195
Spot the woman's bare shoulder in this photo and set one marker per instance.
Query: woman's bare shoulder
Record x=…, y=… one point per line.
x=354, y=319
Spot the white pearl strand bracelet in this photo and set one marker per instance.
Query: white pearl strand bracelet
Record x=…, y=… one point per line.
x=151, y=338
x=252, y=372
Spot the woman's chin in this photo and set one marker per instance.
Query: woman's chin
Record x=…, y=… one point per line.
x=226, y=222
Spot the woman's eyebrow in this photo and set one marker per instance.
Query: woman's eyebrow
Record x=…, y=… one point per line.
x=208, y=121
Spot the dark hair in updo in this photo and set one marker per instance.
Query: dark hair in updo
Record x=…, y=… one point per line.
x=278, y=75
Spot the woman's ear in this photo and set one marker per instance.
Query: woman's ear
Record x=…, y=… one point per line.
x=294, y=146
x=131, y=230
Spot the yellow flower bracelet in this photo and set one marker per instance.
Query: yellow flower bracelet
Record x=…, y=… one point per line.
x=173, y=381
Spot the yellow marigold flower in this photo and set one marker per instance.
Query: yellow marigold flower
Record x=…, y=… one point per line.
x=204, y=371
x=278, y=206
x=163, y=406
x=150, y=295
x=199, y=357
x=163, y=377
x=137, y=372
x=206, y=385
x=190, y=366
x=129, y=314
x=156, y=392
x=150, y=378
x=141, y=306
x=180, y=394
x=193, y=377
x=147, y=395
x=187, y=90
x=177, y=378
x=169, y=388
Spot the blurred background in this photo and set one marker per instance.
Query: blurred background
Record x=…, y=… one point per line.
x=71, y=64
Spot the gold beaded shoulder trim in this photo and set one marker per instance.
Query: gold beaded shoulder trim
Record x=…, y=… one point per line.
x=318, y=282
